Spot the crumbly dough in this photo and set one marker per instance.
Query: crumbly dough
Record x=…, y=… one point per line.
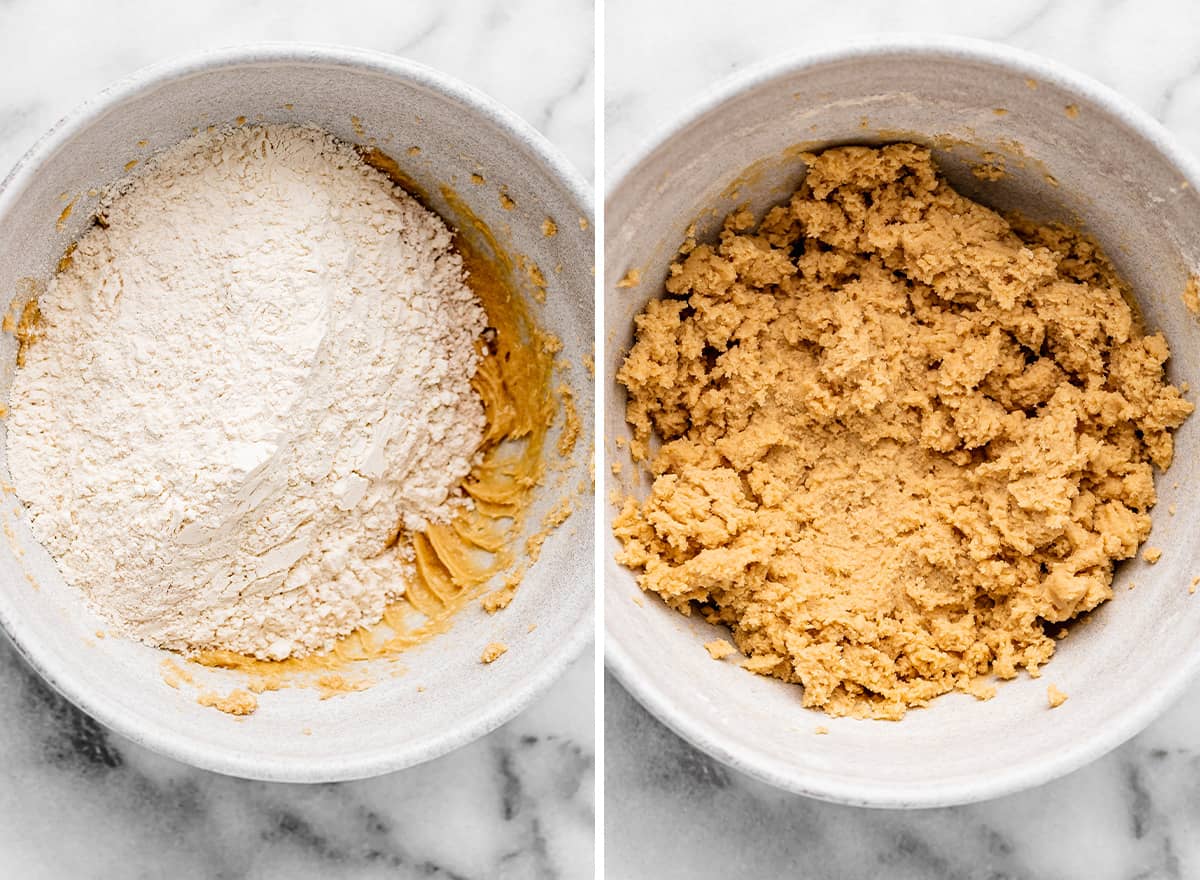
x=901, y=434
x=1055, y=697
x=334, y=685
x=719, y=649
x=239, y=702
x=493, y=652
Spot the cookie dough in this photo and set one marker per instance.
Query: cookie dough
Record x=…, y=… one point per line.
x=239, y=702
x=719, y=649
x=492, y=652
x=900, y=435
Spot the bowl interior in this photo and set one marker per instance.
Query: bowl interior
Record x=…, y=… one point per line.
x=1070, y=153
x=362, y=99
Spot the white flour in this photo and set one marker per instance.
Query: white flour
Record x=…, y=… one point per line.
x=245, y=386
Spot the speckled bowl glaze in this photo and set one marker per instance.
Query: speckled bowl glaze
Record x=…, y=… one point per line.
x=1102, y=163
x=459, y=131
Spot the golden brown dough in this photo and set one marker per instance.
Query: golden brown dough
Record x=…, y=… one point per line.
x=900, y=434
x=719, y=649
x=492, y=652
x=1055, y=697
x=239, y=702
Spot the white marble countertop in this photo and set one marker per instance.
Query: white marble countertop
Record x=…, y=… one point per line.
x=671, y=812
x=77, y=801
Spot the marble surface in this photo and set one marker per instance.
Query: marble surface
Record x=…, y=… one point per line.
x=77, y=801
x=671, y=812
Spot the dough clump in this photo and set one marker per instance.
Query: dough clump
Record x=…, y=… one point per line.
x=900, y=435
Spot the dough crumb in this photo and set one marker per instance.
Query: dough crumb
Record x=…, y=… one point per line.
x=334, y=685
x=175, y=675
x=989, y=172
x=900, y=434
x=499, y=599
x=981, y=689
x=239, y=702
x=1055, y=697
x=820, y=730
x=630, y=279
x=1191, y=295
x=1072, y=111
x=549, y=228
x=719, y=649
x=493, y=652
x=262, y=682
x=1152, y=554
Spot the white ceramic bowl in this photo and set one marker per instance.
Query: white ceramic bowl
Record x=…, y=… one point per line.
x=1118, y=172
x=459, y=131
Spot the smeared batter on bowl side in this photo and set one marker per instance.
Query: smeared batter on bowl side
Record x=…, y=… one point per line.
x=901, y=434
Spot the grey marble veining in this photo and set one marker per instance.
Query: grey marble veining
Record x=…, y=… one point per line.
x=659, y=56
x=671, y=812
x=79, y=802
x=535, y=56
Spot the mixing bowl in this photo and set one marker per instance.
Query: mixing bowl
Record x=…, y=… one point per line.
x=1072, y=150
x=364, y=98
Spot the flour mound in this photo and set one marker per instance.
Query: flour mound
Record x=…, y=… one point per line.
x=252, y=378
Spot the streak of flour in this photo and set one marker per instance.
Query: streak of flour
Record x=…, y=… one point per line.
x=253, y=375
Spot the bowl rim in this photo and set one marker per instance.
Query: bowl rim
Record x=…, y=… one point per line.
x=177, y=743
x=828, y=786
